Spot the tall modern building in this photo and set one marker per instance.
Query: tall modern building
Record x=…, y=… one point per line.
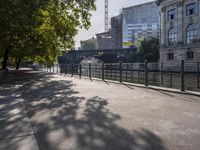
x=116, y=32
x=180, y=31
x=140, y=21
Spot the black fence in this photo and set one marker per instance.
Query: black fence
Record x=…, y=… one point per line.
x=183, y=76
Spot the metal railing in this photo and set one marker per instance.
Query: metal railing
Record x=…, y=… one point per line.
x=183, y=76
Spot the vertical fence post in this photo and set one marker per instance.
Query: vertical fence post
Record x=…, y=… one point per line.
x=154, y=77
x=53, y=68
x=132, y=72
x=120, y=72
x=99, y=71
x=65, y=68
x=80, y=70
x=57, y=68
x=146, y=73
x=126, y=72
x=198, y=75
x=103, y=71
x=90, y=71
x=171, y=79
x=94, y=71
x=111, y=71
x=161, y=74
x=72, y=69
x=182, y=76
x=115, y=72
x=61, y=68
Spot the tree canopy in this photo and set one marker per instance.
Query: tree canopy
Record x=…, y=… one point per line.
x=148, y=49
x=40, y=29
x=90, y=44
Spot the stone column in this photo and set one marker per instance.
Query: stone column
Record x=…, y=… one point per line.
x=180, y=28
x=162, y=26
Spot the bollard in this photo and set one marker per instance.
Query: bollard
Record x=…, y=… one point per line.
x=182, y=76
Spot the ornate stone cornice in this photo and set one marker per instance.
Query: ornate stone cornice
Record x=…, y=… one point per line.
x=158, y=2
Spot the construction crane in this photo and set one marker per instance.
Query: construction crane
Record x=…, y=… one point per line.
x=106, y=15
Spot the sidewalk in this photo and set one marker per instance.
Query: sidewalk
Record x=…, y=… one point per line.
x=16, y=132
x=44, y=111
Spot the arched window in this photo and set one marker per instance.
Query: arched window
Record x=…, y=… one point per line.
x=172, y=36
x=191, y=33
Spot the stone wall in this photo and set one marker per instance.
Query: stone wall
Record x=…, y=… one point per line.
x=180, y=53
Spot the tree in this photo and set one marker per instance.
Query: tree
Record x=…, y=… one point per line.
x=88, y=44
x=148, y=49
x=38, y=30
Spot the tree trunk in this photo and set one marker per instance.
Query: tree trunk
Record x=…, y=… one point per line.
x=5, y=58
x=17, y=61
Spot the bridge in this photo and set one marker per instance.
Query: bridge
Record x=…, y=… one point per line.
x=76, y=56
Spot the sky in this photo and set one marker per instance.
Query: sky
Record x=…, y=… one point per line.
x=97, y=20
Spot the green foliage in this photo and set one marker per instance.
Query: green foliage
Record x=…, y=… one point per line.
x=128, y=44
x=88, y=45
x=148, y=49
x=138, y=42
x=38, y=30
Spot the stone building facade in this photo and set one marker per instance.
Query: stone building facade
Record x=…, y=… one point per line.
x=179, y=31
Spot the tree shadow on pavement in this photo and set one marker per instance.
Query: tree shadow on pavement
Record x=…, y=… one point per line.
x=63, y=119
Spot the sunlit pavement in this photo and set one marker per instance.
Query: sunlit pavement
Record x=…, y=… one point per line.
x=42, y=111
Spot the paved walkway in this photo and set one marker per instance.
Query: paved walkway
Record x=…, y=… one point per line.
x=40, y=111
